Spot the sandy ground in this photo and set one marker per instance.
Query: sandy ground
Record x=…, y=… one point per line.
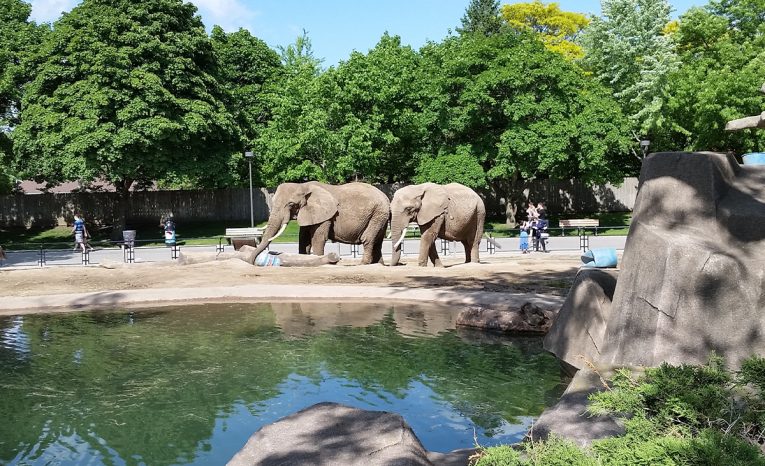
x=536, y=273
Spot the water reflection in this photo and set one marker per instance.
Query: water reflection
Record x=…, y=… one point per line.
x=190, y=385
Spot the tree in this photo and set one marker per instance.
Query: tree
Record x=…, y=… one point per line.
x=517, y=111
x=482, y=17
x=300, y=142
x=126, y=92
x=18, y=39
x=557, y=29
x=380, y=111
x=628, y=51
x=722, y=69
x=246, y=65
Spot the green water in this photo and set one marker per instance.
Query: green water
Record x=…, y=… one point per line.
x=190, y=385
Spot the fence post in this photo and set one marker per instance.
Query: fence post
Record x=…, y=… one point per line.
x=128, y=254
x=220, y=247
x=444, y=247
x=85, y=256
x=174, y=251
x=490, y=244
x=41, y=259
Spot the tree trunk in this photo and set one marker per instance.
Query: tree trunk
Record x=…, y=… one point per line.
x=119, y=222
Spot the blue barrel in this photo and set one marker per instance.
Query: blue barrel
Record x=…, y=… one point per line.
x=600, y=258
x=754, y=158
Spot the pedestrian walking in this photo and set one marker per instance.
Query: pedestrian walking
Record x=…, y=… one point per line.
x=524, y=242
x=81, y=234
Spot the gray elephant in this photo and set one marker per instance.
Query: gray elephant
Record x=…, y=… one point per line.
x=453, y=212
x=264, y=259
x=353, y=213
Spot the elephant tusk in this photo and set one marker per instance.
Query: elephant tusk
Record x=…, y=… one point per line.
x=400, y=240
x=278, y=233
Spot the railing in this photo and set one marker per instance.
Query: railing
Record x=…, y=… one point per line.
x=154, y=250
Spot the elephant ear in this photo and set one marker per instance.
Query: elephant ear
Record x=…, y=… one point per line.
x=435, y=201
x=320, y=206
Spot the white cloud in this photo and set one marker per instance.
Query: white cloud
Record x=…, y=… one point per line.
x=46, y=11
x=228, y=14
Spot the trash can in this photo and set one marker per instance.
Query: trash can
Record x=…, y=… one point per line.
x=599, y=258
x=128, y=238
x=754, y=158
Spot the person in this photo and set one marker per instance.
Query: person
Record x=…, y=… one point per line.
x=524, y=244
x=169, y=226
x=541, y=210
x=531, y=213
x=80, y=233
x=541, y=232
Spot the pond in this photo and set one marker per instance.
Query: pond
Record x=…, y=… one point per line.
x=189, y=385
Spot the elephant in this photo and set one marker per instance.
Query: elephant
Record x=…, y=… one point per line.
x=352, y=213
x=264, y=259
x=453, y=212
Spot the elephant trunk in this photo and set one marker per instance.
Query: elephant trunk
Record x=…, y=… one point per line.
x=275, y=227
x=398, y=232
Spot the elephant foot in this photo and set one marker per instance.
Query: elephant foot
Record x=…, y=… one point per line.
x=438, y=263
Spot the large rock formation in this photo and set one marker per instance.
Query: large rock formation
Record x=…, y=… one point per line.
x=333, y=434
x=577, y=335
x=693, y=271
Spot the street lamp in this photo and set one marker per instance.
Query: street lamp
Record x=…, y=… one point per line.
x=644, y=146
x=249, y=156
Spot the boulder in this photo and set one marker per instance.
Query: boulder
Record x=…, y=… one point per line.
x=693, y=271
x=576, y=335
x=334, y=434
x=530, y=318
x=569, y=417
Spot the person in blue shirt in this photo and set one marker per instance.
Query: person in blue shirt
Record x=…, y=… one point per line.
x=80, y=233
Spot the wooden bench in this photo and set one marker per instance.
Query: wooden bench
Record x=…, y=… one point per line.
x=580, y=224
x=238, y=237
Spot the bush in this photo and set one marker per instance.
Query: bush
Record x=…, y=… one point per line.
x=673, y=415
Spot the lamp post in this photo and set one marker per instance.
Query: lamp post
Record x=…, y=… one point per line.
x=644, y=143
x=249, y=156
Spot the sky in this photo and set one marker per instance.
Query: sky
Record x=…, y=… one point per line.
x=337, y=27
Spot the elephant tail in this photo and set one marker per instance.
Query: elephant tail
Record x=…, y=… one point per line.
x=492, y=241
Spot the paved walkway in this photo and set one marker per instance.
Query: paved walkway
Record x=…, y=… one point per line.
x=509, y=246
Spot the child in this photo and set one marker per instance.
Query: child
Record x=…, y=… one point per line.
x=525, y=238
x=80, y=233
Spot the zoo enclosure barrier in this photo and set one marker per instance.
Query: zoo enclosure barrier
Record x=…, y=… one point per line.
x=154, y=250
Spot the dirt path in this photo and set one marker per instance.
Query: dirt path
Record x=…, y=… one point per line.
x=548, y=274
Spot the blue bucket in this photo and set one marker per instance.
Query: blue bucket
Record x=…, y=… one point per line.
x=754, y=158
x=600, y=258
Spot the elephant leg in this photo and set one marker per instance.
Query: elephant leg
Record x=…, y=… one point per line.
x=468, y=245
x=319, y=237
x=433, y=256
x=480, y=218
x=304, y=241
x=372, y=239
x=427, y=242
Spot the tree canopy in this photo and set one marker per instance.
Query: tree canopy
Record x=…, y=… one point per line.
x=481, y=16
x=126, y=91
x=18, y=39
x=558, y=29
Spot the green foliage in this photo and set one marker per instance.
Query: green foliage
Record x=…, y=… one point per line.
x=460, y=167
x=246, y=64
x=627, y=50
x=521, y=111
x=126, y=91
x=481, y=17
x=723, y=67
x=673, y=415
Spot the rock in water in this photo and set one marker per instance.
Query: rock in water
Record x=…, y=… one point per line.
x=333, y=434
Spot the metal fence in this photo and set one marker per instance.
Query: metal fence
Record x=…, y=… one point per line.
x=153, y=250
